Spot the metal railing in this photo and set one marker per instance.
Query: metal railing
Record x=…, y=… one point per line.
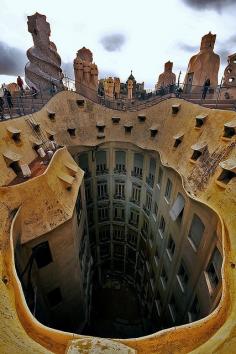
x=26, y=102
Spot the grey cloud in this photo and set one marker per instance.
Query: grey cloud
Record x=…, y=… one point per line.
x=187, y=48
x=12, y=60
x=113, y=42
x=217, y=5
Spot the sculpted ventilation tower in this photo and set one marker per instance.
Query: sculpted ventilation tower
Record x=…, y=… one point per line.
x=167, y=77
x=86, y=72
x=229, y=83
x=202, y=66
x=44, y=66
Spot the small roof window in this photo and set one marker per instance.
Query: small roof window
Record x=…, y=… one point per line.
x=200, y=120
x=51, y=114
x=115, y=120
x=198, y=150
x=175, y=108
x=229, y=130
x=178, y=139
x=228, y=172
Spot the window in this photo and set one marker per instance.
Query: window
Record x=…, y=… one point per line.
x=155, y=212
x=119, y=212
x=104, y=234
x=90, y=216
x=105, y=250
x=119, y=190
x=151, y=176
x=214, y=269
x=54, y=297
x=182, y=276
x=177, y=210
x=134, y=217
x=144, y=229
x=164, y=278
x=102, y=190
x=132, y=237
x=42, y=254
x=136, y=193
x=138, y=166
x=160, y=175
x=120, y=162
x=162, y=226
x=148, y=204
x=71, y=131
x=194, y=313
x=168, y=189
x=101, y=164
x=103, y=213
x=119, y=250
x=170, y=248
x=118, y=233
x=196, y=231
x=131, y=254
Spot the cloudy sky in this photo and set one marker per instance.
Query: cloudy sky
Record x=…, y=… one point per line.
x=123, y=35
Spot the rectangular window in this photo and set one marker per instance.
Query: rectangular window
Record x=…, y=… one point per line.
x=144, y=229
x=104, y=234
x=118, y=233
x=120, y=162
x=214, y=269
x=151, y=175
x=162, y=226
x=119, y=212
x=170, y=248
x=168, y=189
x=119, y=250
x=105, y=250
x=177, y=210
x=148, y=204
x=138, y=166
x=42, y=254
x=132, y=237
x=101, y=162
x=196, y=231
x=194, y=313
x=160, y=175
x=103, y=213
x=102, y=192
x=134, y=218
x=136, y=193
x=83, y=164
x=119, y=190
x=90, y=216
x=182, y=276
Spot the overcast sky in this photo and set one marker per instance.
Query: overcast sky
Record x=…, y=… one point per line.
x=123, y=35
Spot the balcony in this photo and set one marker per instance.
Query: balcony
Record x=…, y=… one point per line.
x=150, y=181
x=133, y=222
x=147, y=211
x=121, y=171
x=137, y=202
x=136, y=174
x=119, y=196
x=103, y=197
x=104, y=171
